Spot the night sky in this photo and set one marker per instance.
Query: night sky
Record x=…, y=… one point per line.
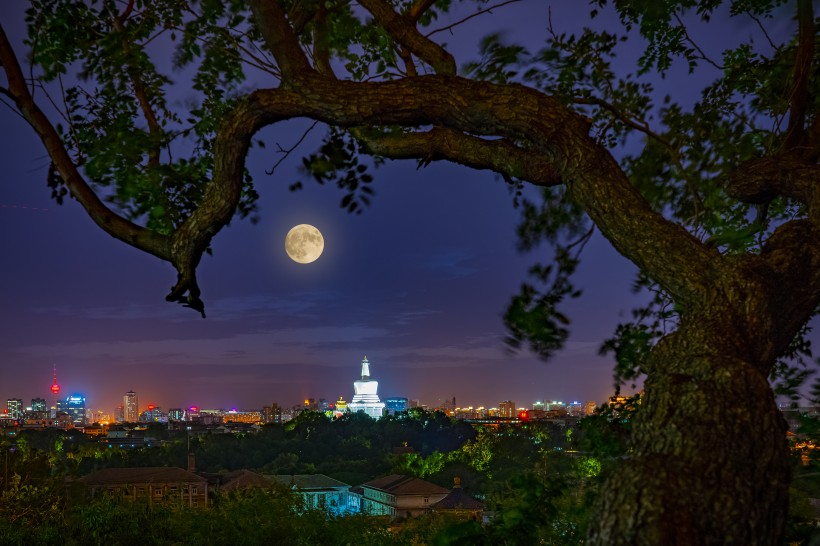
x=418, y=283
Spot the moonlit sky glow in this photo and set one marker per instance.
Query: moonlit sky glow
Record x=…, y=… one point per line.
x=418, y=283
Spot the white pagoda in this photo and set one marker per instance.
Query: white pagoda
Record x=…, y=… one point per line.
x=366, y=397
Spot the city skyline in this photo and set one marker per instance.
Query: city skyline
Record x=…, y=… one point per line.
x=418, y=282
x=147, y=402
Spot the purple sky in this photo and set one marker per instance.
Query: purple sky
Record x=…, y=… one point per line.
x=418, y=283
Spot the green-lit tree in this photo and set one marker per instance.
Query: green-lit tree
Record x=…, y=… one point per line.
x=720, y=209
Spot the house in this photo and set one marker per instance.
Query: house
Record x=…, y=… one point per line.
x=320, y=492
x=154, y=484
x=399, y=496
x=459, y=503
x=239, y=480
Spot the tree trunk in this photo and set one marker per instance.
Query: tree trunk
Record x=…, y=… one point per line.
x=709, y=462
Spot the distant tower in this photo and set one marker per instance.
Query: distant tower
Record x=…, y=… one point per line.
x=55, y=390
x=366, y=397
x=130, y=407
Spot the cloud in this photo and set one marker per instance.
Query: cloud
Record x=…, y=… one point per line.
x=266, y=346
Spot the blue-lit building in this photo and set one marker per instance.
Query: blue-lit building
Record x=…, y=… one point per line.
x=153, y=415
x=395, y=405
x=74, y=407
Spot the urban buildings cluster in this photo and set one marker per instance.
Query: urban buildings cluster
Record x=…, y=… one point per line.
x=73, y=411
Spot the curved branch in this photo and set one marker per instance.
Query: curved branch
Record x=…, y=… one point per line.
x=112, y=223
x=402, y=28
x=501, y=156
x=549, y=132
x=762, y=179
x=643, y=127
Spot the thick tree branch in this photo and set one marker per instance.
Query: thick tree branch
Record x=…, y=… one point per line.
x=643, y=127
x=281, y=40
x=418, y=8
x=402, y=28
x=551, y=135
x=762, y=179
x=113, y=224
x=501, y=156
x=793, y=254
x=407, y=58
x=321, y=53
x=299, y=17
x=154, y=129
x=799, y=100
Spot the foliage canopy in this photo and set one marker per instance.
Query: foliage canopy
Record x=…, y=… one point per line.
x=715, y=199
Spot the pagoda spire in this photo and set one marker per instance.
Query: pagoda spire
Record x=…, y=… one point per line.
x=365, y=369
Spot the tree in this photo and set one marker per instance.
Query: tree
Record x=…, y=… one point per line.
x=719, y=209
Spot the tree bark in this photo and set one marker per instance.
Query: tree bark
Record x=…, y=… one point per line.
x=709, y=463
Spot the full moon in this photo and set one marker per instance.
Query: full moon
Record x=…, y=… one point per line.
x=304, y=244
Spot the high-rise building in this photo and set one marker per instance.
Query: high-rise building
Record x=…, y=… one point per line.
x=574, y=408
x=556, y=405
x=15, y=407
x=395, y=405
x=130, y=407
x=272, y=414
x=366, y=397
x=507, y=409
x=74, y=407
x=39, y=404
x=176, y=414
x=153, y=415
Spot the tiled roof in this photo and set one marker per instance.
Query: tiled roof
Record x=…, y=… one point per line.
x=397, y=484
x=458, y=500
x=242, y=479
x=308, y=481
x=151, y=474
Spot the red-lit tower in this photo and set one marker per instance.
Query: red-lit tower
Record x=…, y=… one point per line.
x=55, y=390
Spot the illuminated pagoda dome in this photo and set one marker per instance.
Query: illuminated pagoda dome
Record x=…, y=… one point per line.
x=366, y=396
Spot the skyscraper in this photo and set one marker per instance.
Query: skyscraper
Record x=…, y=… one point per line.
x=74, y=407
x=130, y=407
x=395, y=405
x=39, y=405
x=15, y=407
x=506, y=409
